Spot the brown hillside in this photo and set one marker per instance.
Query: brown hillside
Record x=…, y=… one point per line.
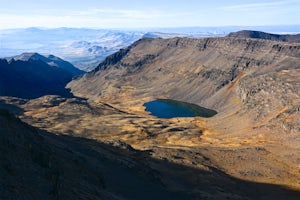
x=252, y=83
x=225, y=74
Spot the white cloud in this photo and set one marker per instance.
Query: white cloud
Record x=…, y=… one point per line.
x=108, y=18
x=18, y=21
x=260, y=13
x=128, y=14
x=262, y=5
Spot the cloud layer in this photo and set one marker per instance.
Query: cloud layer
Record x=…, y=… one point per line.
x=143, y=14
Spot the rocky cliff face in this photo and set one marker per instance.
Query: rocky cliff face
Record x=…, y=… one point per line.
x=257, y=77
x=221, y=58
x=265, y=36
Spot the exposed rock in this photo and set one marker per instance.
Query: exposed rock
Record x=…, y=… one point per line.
x=265, y=36
x=192, y=70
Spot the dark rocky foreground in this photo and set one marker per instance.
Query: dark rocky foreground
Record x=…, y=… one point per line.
x=39, y=165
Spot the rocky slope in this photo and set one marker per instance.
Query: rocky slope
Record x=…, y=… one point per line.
x=37, y=164
x=210, y=72
x=252, y=83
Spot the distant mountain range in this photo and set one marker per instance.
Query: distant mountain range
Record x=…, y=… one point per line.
x=86, y=48
x=51, y=60
x=32, y=75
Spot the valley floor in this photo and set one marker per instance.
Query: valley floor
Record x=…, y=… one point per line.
x=196, y=156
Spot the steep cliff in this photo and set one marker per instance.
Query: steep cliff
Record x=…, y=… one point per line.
x=213, y=72
x=265, y=36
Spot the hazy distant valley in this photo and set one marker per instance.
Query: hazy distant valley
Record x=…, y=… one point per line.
x=86, y=48
x=88, y=135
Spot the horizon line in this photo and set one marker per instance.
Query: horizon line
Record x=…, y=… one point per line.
x=156, y=27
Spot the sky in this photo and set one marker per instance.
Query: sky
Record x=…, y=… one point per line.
x=147, y=14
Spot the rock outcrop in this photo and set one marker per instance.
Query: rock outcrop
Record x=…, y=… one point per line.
x=265, y=36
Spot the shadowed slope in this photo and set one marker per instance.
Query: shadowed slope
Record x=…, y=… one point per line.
x=31, y=75
x=39, y=165
x=50, y=60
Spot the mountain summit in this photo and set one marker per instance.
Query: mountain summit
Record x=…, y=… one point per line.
x=265, y=36
x=32, y=75
x=50, y=60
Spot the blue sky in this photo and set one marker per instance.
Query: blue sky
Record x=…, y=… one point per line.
x=145, y=14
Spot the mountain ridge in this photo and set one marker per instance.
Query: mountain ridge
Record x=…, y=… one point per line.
x=50, y=60
x=86, y=48
x=238, y=64
x=31, y=75
x=229, y=75
x=266, y=36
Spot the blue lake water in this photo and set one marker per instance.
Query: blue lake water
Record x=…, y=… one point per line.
x=167, y=108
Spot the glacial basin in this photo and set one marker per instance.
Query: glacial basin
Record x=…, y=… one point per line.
x=168, y=108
